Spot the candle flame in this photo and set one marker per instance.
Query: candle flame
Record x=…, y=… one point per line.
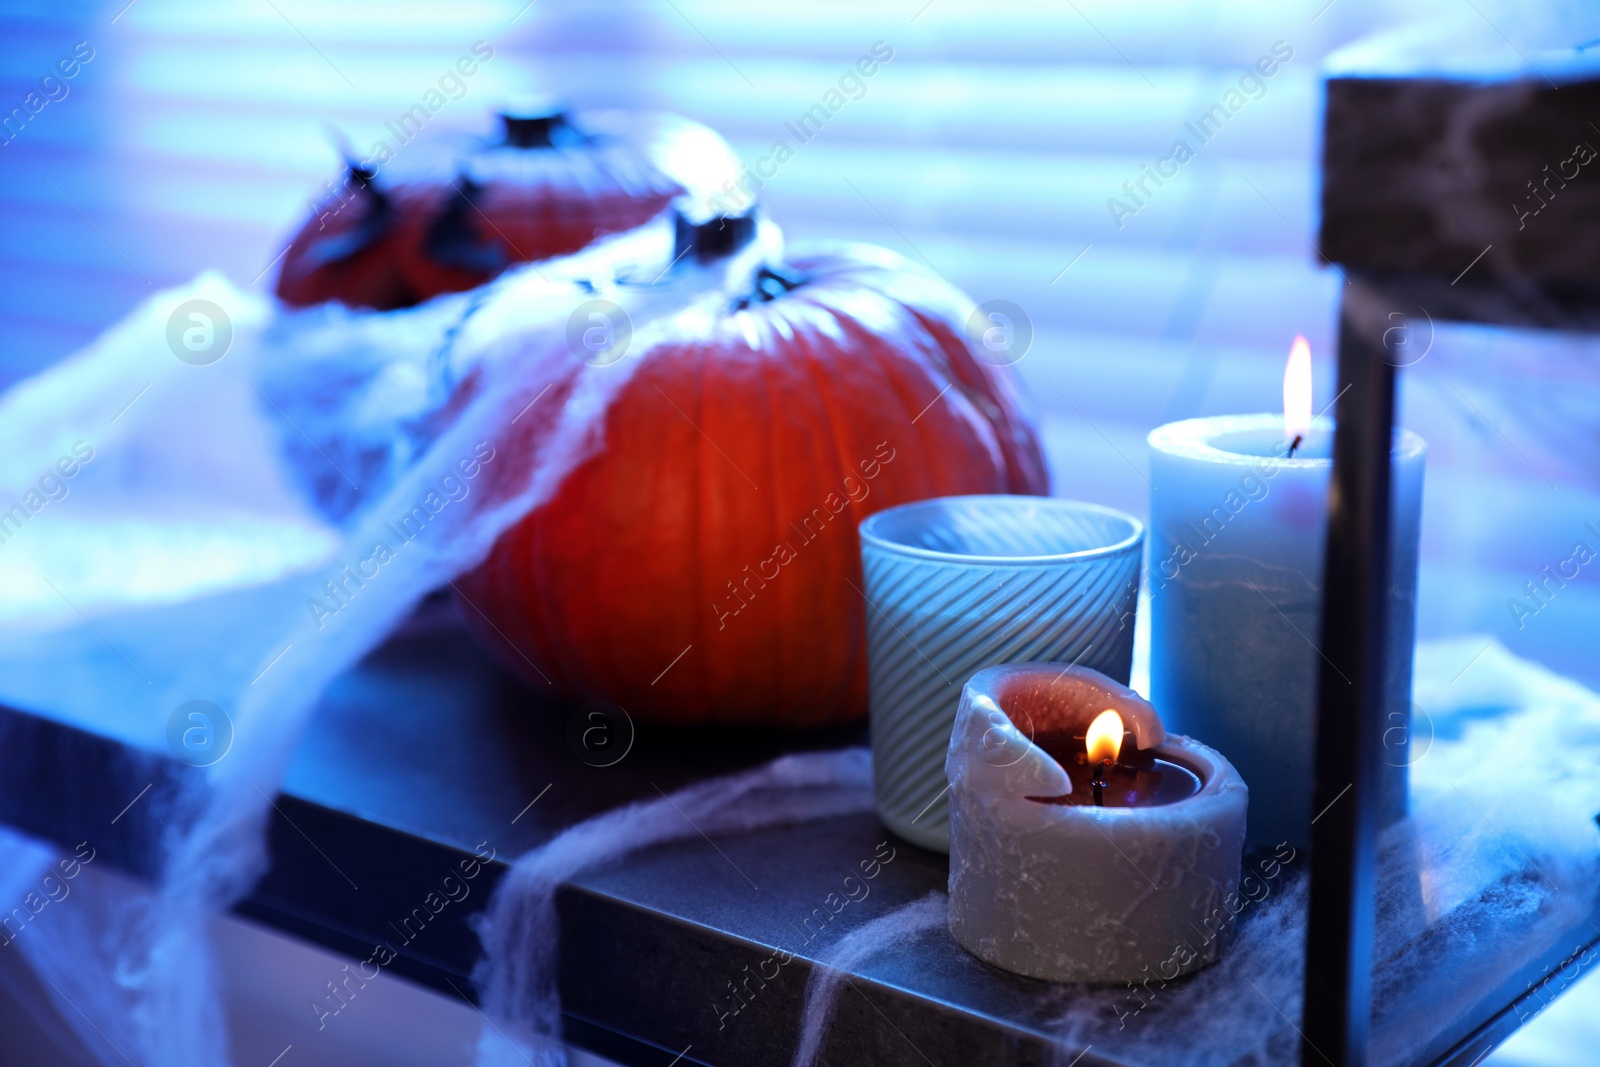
x=1297, y=390
x=1104, y=739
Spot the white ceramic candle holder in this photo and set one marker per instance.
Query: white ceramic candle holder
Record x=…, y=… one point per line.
x=1078, y=893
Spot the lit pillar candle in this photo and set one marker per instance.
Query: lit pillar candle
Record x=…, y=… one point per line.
x=1086, y=843
x=1237, y=526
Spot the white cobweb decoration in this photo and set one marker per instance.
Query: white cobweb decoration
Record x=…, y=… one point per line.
x=1486, y=872
x=212, y=504
x=1489, y=870
x=517, y=976
x=889, y=931
x=1480, y=876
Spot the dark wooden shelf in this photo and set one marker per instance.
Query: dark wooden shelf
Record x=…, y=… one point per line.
x=427, y=752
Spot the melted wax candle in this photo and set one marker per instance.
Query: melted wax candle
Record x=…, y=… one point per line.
x=1048, y=883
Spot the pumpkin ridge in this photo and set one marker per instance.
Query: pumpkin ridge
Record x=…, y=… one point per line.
x=709, y=683
x=824, y=394
x=898, y=380
x=775, y=510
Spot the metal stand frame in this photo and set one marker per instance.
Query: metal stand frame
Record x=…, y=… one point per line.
x=1344, y=835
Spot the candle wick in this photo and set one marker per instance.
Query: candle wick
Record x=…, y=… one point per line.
x=1294, y=445
x=1099, y=783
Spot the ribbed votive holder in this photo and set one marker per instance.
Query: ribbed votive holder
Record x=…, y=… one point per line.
x=957, y=584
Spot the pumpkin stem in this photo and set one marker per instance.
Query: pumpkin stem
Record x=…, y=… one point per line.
x=376, y=217
x=361, y=177
x=453, y=239
x=715, y=238
x=773, y=280
x=536, y=127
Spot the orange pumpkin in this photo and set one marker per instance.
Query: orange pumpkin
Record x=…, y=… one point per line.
x=704, y=566
x=546, y=187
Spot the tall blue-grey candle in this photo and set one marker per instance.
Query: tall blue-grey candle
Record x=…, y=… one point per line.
x=1235, y=573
